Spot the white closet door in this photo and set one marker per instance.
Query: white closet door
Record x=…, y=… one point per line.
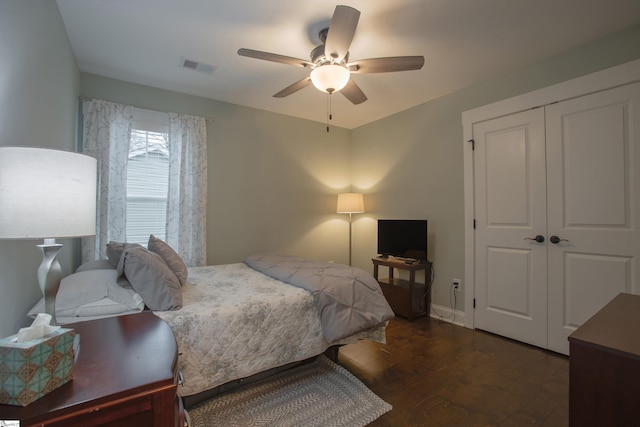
x=593, y=160
x=510, y=197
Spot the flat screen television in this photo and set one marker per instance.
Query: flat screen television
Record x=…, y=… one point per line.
x=404, y=238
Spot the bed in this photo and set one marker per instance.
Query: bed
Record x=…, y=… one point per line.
x=236, y=321
x=257, y=322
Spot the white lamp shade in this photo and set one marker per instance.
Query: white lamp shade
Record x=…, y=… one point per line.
x=46, y=193
x=350, y=203
x=330, y=77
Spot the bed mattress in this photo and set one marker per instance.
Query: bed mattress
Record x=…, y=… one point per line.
x=236, y=322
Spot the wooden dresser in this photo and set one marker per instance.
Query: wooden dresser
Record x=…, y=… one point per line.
x=125, y=375
x=604, y=366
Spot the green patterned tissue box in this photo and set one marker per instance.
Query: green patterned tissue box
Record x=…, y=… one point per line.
x=31, y=369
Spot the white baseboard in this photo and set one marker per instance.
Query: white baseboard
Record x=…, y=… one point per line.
x=447, y=314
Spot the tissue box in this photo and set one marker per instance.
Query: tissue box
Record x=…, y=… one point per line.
x=31, y=369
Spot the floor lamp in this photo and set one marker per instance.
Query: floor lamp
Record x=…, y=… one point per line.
x=47, y=194
x=350, y=203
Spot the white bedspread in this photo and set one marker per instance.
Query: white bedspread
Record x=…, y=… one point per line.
x=236, y=322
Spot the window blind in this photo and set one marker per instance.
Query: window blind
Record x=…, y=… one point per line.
x=147, y=183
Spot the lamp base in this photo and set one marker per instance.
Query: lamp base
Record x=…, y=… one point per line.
x=49, y=276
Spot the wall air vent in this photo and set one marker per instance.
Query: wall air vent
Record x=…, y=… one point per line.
x=198, y=66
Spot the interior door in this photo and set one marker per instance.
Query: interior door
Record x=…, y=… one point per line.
x=510, y=211
x=593, y=154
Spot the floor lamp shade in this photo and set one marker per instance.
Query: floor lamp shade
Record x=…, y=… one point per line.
x=350, y=203
x=49, y=194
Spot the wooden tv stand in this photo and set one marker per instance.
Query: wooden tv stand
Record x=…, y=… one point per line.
x=406, y=298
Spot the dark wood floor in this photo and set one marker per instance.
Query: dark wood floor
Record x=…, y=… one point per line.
x=435, y=373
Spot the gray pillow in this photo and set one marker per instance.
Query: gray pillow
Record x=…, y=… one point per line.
x=115, y=249
x=101, y=264
x=170, y=257
x=151, y=278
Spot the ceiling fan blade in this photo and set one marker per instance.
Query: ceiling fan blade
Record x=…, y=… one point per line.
x=341, y=31
x=273, y=57
x=353, y=93
x=386, y=65
x=300, y=84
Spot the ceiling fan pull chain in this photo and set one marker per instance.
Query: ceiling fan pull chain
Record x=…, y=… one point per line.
x=330, y=115
x=328, y=110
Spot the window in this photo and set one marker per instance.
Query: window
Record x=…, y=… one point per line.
x=166, y=151
x=147, y=183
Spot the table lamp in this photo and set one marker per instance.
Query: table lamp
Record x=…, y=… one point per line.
x=350, y=203
x=48, y=194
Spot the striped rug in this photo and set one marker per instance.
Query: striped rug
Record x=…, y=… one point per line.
x=320, y=393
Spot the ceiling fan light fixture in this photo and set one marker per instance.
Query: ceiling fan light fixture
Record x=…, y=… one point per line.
x=330, y=77
x=330, y=66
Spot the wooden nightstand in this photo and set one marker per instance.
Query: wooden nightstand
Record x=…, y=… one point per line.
x=125, y=375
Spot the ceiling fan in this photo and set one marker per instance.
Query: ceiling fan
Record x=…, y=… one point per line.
x=330, y=67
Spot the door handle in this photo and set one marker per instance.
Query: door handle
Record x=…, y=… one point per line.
x=555, y=240
x=539, y=238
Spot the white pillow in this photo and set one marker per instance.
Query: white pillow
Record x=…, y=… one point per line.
x=79, y=290
x=97, y=310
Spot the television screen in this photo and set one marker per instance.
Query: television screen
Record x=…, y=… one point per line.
x=404, y=238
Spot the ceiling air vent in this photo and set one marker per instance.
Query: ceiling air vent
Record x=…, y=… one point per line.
x=198, y=66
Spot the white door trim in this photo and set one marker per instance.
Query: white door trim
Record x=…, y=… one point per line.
x=602, y=80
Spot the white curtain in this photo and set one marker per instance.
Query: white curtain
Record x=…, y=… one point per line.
x=106, y=133
x=187, y=196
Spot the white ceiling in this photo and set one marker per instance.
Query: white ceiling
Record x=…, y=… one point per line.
x=463, y=42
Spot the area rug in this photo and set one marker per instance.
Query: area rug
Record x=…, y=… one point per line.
x=320, y=393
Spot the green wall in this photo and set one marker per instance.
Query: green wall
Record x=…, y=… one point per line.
x=410, y=165
x=38, y=100
x=272, y=179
